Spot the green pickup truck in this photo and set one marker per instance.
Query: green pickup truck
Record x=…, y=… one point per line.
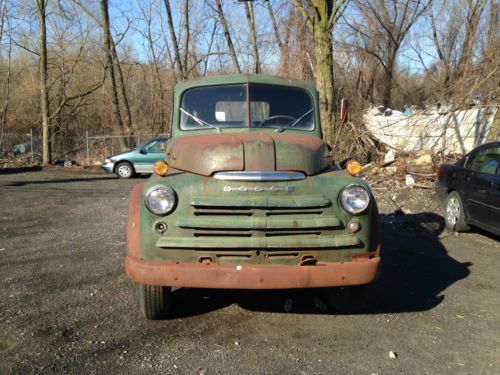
x=247, y=198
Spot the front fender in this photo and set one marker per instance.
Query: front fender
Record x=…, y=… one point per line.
x=134, y=222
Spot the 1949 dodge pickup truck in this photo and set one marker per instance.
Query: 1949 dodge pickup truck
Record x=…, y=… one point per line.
x=247, y=197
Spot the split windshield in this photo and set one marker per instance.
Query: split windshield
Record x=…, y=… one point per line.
x=276, y=107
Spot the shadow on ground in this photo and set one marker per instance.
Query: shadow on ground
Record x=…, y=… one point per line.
x=35, y=168
x=416, y=272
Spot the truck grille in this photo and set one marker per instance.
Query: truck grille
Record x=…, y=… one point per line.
x=261, y=222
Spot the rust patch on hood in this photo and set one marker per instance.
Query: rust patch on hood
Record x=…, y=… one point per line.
x=253, y=151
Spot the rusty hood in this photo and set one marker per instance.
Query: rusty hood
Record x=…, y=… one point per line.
x=206, y=154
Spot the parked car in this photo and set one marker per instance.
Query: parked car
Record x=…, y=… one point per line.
x=469, y=190
x=247, y=198
x=138, y=160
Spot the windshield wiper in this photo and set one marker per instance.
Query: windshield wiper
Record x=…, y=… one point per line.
x=288, y=126
x=199, y=121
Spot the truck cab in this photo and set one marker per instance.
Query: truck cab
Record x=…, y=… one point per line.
x=248, y=198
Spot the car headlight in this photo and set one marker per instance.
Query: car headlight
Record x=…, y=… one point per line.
x=108, y=161
x=160, y=199
x=354, y=199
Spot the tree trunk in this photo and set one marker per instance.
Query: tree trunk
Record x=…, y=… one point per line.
x=251, y=26
x=44, y=90
x=324, y=80
x=392, y=52
x=473, y=17
x=6, y=93
x=321, y=16
x=230, y=45
x=175, y=44
x=3, y=11
x=275, y=27
x=492, y=46
x=442, y=59
x=106, y=35
x=122, y=92
x=185, y=46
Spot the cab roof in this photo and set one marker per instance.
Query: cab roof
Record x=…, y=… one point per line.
x=243, y=79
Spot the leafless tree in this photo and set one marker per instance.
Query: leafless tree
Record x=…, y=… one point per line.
x=320, y=17
x=387, y=23
x=110, y=66
x=43, y=81
x=4, y=19
x=227, y=35
x=249, y=11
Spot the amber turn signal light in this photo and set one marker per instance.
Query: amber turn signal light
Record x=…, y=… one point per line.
x=160, y=168
x=353, y=167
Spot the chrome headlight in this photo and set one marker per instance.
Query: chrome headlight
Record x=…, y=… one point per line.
x=160, y=199
x=354, y=199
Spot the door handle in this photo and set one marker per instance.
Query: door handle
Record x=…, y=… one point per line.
x=482, y=191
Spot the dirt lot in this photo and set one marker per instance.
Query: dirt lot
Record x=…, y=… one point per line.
x=67, y=307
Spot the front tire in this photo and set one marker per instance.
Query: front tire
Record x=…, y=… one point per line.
x=454, y=215
x=124, y=170
x=155, y=301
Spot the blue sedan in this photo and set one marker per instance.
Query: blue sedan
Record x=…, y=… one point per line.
x=139, y=160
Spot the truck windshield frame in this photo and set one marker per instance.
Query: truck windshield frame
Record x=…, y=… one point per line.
x=256, y=106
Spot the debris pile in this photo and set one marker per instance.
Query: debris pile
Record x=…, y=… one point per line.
x=20, y=161
x=403, y=182
x=439, y=129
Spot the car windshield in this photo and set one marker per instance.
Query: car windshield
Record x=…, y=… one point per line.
x=276, y=107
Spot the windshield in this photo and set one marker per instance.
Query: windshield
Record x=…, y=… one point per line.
x=276, y=107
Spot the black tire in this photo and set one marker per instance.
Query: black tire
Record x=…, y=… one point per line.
x=454, y=214
x=155, y=301
x=347, y=299
x=124, y=170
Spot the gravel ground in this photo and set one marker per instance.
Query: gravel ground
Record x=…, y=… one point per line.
x=67, y=307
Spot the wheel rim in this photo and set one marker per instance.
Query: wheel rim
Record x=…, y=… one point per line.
x=124, y=171
x=453, y=211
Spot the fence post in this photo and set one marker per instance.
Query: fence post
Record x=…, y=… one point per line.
x=87, y=143
x=31, y=145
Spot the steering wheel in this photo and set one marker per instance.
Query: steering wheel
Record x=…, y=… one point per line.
x=292, y=119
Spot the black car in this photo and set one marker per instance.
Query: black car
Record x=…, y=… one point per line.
x=470, y=190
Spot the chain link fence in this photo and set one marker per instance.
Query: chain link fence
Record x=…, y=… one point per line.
x=84, y=149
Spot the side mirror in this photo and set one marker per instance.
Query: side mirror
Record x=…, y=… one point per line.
x=344, y=110
x=143, y=151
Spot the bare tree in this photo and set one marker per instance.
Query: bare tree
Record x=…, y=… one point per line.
x=275, y=28
x=475, y=9
x=251, y=26
x=3, y=12
x=43, y=81
x=227, y=35
x=321, y=17
x=110, y=66
x=455, y=41
x=173, y=37
x=493, y=27
x=391, y=22
x=187, y=34
x=4, y=18
x=182, y=64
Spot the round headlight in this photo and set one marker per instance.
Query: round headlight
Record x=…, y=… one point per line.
x=160, y=199
x=354, y=199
